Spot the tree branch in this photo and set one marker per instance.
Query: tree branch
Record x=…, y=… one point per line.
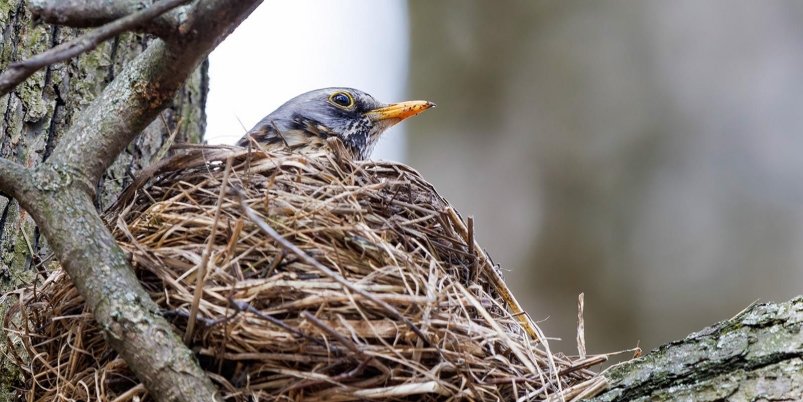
x=99, y=268
x=757, y=355
x=94, y=13
x=19, y=71
x=144, y=88
x=58, y=194
x=14, y=178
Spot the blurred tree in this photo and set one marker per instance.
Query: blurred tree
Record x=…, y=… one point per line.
x=643, y=153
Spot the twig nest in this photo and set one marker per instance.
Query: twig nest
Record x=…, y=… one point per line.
x=323, y=280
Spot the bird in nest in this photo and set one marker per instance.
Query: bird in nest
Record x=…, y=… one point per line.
x=306, y=122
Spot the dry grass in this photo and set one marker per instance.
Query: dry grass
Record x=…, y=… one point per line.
x=323, y=280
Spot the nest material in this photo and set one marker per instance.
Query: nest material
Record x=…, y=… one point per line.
x=324, y=280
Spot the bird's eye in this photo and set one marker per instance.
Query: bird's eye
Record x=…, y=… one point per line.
x=343, y=99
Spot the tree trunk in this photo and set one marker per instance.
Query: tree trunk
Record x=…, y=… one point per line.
x=38, y=111
x=755, y=356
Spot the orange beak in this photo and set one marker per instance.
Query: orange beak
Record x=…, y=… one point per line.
x=399, y=111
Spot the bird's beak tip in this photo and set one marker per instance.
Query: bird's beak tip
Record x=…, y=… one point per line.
x=401, y=110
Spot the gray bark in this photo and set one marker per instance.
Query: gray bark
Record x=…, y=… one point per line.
x=40, y=110
x=755, y=356
x=57, y=192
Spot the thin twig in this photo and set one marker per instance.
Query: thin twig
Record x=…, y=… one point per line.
x=244, y=306
x=583, y=364
x=345, y=342
x=130, y=394
x=95, y=13
x=201, y=273
x=497, y=282
x=474, y=268
x=495, y=325
x=581, y=332
x=21, y=70
x=470, y=240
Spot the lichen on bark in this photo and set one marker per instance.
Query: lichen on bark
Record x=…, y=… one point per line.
x=757, y=355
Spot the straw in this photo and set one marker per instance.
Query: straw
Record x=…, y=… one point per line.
x=323, y=279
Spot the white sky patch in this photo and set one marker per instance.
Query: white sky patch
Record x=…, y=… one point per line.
x=286, y=48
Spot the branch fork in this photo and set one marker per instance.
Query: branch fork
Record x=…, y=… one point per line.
x=59, y=192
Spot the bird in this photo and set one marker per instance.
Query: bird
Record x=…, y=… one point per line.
x=306, y=122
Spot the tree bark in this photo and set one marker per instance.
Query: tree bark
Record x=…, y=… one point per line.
x=755, y=356
x=42, y=108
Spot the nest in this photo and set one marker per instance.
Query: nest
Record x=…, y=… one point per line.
x=323, y=280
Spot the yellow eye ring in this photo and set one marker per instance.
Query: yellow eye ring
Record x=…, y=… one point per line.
x=342, y=99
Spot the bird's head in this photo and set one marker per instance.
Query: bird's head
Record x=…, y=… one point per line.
x=353, y=116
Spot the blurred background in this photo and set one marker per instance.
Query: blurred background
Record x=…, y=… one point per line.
x=645, y=153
